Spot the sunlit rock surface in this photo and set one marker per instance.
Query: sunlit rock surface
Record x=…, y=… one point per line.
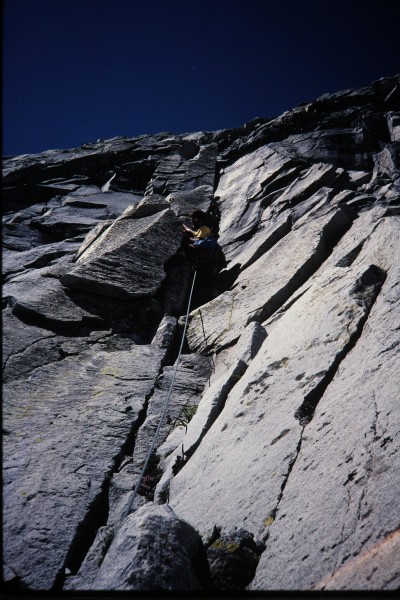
x=273, y=458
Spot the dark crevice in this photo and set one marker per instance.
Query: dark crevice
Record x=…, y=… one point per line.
x=350, y=257
x=217, y=410
x=366, y=291
x=273, y=187
x=288, y=304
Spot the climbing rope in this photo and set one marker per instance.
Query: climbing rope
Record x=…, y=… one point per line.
x=133, y=496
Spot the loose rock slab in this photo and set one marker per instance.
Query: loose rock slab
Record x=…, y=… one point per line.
x=37, y=296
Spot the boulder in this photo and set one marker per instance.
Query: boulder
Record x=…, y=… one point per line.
x=233, y=559
x=154, y=551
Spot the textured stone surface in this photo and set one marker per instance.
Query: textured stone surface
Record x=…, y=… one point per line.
x=354, y=435
x=191, y=166
x=191, y=377
x=114, y=202
x=183, y=203
x=41, y=256
x=68, y=221
x=33, y=294
x=64, y=427
x=290, y=360
x=138, y=247
x=211, y=404
x=153, y=550
x=377, y=568
x=265, y=414
x=243, y=190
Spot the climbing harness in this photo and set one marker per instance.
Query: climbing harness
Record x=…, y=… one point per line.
x=133, y=496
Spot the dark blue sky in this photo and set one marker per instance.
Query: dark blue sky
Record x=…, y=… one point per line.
x=78, y=70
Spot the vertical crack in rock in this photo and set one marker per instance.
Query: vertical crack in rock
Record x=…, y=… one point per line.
x=272, y=516
x=97, y=520
x=97, y=515
x=348, y=259
x=98, y=511
x=366, y=291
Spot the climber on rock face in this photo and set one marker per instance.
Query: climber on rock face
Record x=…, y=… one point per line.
x=200, y=247
x=200, y=228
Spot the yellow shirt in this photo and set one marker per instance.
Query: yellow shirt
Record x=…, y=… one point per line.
x=202, y=232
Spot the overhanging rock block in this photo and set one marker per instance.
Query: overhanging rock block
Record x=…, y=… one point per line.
x=128, y=259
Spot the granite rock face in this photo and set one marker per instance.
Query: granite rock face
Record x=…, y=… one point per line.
x=265, y=456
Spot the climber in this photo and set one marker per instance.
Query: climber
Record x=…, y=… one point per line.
x=200, y=229
x=201, y=247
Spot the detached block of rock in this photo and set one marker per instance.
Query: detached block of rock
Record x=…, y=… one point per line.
x=153, y=550
x=127, y=260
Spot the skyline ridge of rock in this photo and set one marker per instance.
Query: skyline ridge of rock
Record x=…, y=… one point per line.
x=277, y=464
